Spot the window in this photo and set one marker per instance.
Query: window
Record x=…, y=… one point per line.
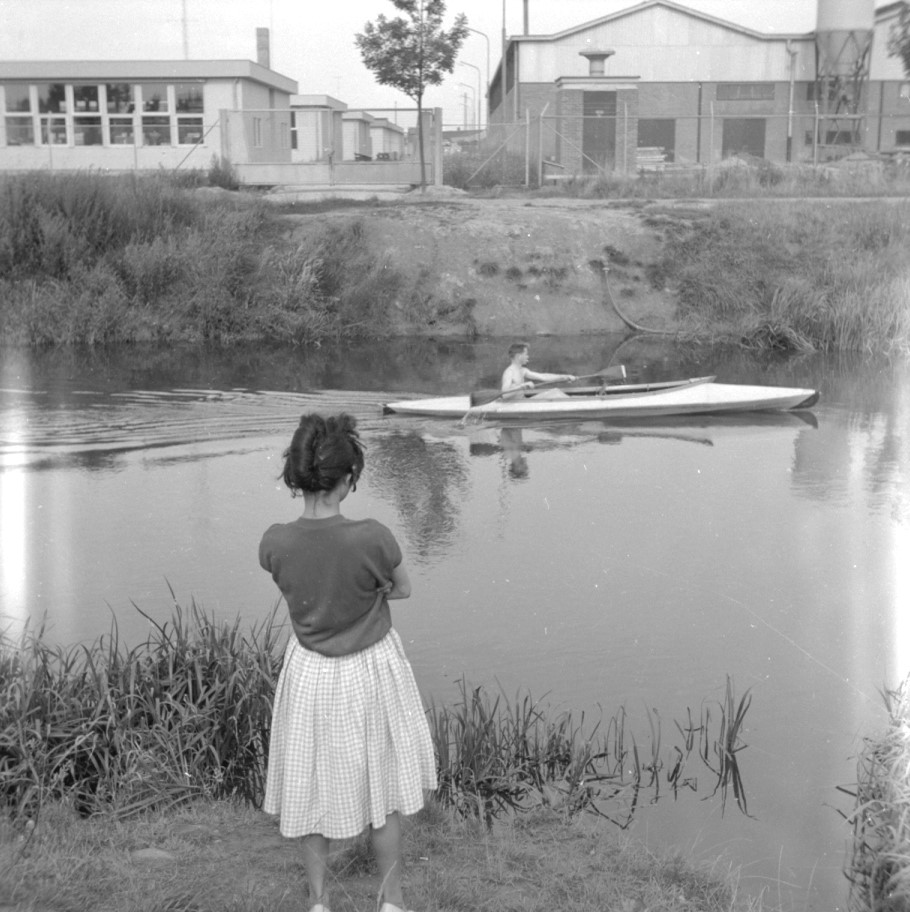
x=52, y=101
x=154, y=97
x=156, y=125
x=257, y=132
x=120, y=105
x=86, y=119
x=156, y=131
x=902, y=137
x=745, y=91
x=20, y=128
x=188, y=102
x=904, y=91
x=95, y=114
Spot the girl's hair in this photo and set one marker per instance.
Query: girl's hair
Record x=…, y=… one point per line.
x=322, y=452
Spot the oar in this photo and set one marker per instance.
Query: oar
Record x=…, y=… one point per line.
x=486, y=397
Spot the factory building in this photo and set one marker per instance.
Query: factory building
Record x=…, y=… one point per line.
x=659, y=84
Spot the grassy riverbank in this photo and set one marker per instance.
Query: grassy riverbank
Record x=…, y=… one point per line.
x=88, y=258
x=227, y=857
x=879, y=867
x=129, y=773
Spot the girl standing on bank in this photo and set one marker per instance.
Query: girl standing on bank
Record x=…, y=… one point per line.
x=350, y=745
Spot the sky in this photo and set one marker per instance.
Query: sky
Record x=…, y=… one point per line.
x=312, y=41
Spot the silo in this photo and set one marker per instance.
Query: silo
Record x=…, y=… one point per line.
x=843, y=42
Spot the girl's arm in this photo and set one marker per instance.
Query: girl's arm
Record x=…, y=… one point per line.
x=399, y=587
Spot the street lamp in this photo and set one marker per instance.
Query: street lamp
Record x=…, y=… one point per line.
x=473, y=103
x=477, y=95
x=486, y=38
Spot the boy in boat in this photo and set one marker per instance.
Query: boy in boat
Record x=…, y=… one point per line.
x=518, y=377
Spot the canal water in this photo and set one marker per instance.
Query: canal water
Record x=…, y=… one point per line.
x=593, y=565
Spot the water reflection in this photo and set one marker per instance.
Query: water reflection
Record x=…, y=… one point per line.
x=514, y=442
x=601, y=562
x=426, y=481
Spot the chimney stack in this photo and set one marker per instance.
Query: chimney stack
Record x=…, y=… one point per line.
x=263, y=52
x=596, y=60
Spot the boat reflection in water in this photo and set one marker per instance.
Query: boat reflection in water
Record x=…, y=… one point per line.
x=514, y=441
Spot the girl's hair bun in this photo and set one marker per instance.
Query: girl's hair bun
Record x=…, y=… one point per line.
x=322, y=452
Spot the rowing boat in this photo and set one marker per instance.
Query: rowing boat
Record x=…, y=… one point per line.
x=695, y=396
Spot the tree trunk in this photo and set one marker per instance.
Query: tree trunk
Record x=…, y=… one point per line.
x=423, y=164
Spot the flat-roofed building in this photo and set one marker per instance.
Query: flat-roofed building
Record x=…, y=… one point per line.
x=317, y=133
x=358, y=143
x=141, y=115
x=387, y=140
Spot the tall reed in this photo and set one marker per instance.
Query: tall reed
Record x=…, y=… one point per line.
x=498, y=756
x=879, y=865
x=187, y=713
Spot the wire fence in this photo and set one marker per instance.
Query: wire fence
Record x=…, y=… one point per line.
x=547, y=149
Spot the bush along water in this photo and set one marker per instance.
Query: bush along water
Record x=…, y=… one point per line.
x=93, y=258
x=187, y=714
x=793, y=276
x=879, y=864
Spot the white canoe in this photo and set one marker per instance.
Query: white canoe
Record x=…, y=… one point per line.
x=697, y=396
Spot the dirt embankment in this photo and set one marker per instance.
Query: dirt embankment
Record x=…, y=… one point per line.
x=523, y=267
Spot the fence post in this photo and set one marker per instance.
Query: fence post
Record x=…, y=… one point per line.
x=540, y=146
x=815, y=139
x=625, y=137
x=711, y=137
x=437, y=147
x=527, y=148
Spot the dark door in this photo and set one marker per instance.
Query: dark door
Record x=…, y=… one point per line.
x=743, y=136
x=598, y=143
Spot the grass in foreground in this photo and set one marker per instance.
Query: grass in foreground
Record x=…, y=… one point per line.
x=879, y=868
x=226, y=857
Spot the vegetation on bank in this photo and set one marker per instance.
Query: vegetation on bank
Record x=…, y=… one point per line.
x=879, y=866
x=89, y=258
x=227, y=857
x=186, y=715
x=165, y=741
x=733, y=178
x=792, y=276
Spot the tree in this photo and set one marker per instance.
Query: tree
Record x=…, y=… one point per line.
x=412, y=52
x=899, y=37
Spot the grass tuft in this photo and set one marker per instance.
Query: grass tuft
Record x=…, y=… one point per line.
x=879, y=866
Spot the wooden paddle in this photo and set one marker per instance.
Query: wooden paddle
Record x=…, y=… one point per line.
x=485, y=397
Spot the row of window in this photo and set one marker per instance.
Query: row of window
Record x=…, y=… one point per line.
x=148, y=114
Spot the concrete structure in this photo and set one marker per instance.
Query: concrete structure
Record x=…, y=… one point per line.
x=358, y=142
x=138, y=115
x=387, y=140
x=670, y=84
x=317, y=128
